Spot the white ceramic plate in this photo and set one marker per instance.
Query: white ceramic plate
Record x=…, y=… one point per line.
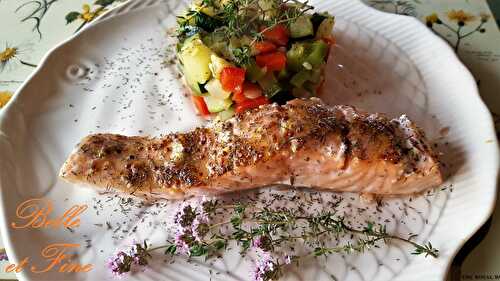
x=110, y=78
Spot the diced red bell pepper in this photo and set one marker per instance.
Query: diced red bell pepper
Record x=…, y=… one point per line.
x=251, y=103
x=232, y=79
x=273, y=61
x=264, y=47
x=239, y=97
x=251, y=90
x=278, y=34
x=200, y=105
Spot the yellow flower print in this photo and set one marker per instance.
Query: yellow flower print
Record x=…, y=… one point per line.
x=432, y=19
x=87, y=15
x=4, y=98
x=460, y=17
x=7, y=54
x=11, y=55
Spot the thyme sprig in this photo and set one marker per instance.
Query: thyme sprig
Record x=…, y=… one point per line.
x=205, y=230
x=237, y=18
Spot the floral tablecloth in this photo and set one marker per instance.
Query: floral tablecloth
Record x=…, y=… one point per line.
x=29, y=28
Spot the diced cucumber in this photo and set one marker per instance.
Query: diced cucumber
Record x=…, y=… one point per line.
x=226, y=114
x=195, y=57
x=214, y=87
x=215, y=105
x=316, y=75
x=295, y=56
x=300, y=78
x=304, y=77
x=253, y=71
x=216, y=42
x=269, y=84
x=301, y=27
x=194, y=86
x=217, y=64
x=317, y=53
x=325, y=28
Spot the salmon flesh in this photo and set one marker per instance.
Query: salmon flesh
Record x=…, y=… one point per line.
x=303, y=143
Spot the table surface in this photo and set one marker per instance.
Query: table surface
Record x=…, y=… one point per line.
x=479, y=49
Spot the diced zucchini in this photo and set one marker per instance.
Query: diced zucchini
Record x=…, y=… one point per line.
x=197, y=88
x=245, y=40
x=189, y=41
x=198, y=6
x=253, y=71
x=296, y=56
x=234, y=43
x=216, y=42
x=206, y=22
x=269, y=84
x=316, y=75
x=301, y=27
x=215, y=105
x=300, y=78
x=317, y=53
x=325, y=28
x=214, y=87
x=226, y=114
x=217, y=64
x=269, y=6
x=195, y=57
x=317, y=19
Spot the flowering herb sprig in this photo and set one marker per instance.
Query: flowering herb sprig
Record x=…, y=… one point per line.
x=238, y=21
x=267, y=232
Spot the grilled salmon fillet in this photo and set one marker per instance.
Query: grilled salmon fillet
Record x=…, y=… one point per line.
x=305, y=143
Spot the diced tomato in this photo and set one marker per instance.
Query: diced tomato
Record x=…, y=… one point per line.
x=251, y=103
x=277, y=35
x=200, y=105
x=232, y=78
x=273, y=61
x=251, y=90
x=239, y=97
x=264, y=47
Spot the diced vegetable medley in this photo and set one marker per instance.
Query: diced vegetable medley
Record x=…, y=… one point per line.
x=239, y=54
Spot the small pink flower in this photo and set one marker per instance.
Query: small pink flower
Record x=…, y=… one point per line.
x=180, y=242
x=265, y=268
x=288, y=259
x=125, y=261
